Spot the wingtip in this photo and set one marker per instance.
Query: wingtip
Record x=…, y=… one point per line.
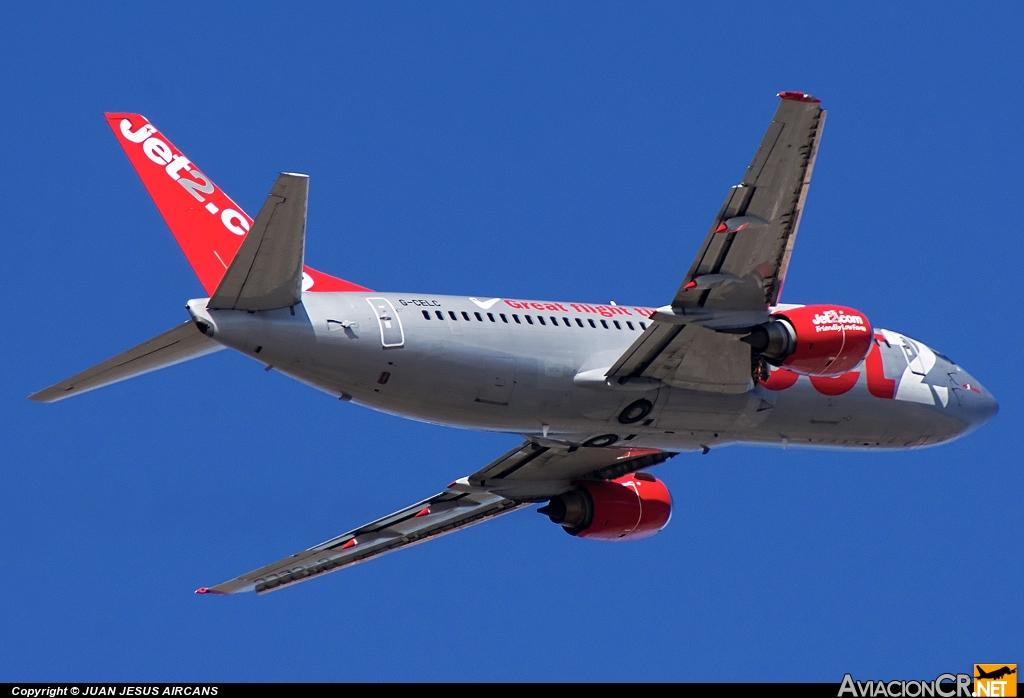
x=798, y=97
x=207, y=590
x=44, y=396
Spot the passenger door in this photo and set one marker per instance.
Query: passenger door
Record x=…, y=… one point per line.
x=391, y=332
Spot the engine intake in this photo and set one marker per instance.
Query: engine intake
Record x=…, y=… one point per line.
x=814, y=340
x=628, y=508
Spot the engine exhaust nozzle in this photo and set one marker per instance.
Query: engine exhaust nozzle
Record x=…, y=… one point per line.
x=773, y=340
x=574, y=510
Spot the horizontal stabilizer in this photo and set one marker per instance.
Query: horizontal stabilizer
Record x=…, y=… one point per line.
x=182, y=343
x=266, y=274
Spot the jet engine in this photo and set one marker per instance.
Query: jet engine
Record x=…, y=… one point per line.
x=814, y=340
x=629, y=508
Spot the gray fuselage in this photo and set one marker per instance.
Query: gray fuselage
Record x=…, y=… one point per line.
x=518, y=366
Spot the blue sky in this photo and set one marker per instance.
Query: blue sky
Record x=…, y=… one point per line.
x=566, y=151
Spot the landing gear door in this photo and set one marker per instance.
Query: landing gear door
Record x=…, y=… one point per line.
x=391, y=332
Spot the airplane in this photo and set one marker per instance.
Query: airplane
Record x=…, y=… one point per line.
x=994, y=674
x=600, y=393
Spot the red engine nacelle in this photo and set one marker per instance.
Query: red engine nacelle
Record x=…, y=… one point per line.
x=815, y=340
x=629, y=508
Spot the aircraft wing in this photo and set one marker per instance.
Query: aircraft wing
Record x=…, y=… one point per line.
x=741, y=265
x=529, y=473
x=687, y=356
x=751, y=239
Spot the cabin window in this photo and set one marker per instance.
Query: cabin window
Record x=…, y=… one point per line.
x=604, y=324
x=554, y=321
x=617, y=325
x=529, y=319
x=453, y=315
x=630, y=325
x=503, y=318
x=579, y=322
x=478, y=317
x=591, y=323
x=490, y=316
x=566, y=321
x=440, y=316
x=643, y=326
x=516, y=318
x=426, y=315
x=465, y=315
x=539, y=317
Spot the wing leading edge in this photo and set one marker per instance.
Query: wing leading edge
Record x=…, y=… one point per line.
x=529, y=473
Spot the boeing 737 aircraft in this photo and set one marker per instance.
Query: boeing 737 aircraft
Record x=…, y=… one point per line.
x=600, y=393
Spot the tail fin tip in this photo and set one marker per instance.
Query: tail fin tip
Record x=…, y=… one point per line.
x=207, y=224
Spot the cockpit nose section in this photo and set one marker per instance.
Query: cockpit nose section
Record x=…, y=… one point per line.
x=977, y=405
x=974, y=404
x=931, y=378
